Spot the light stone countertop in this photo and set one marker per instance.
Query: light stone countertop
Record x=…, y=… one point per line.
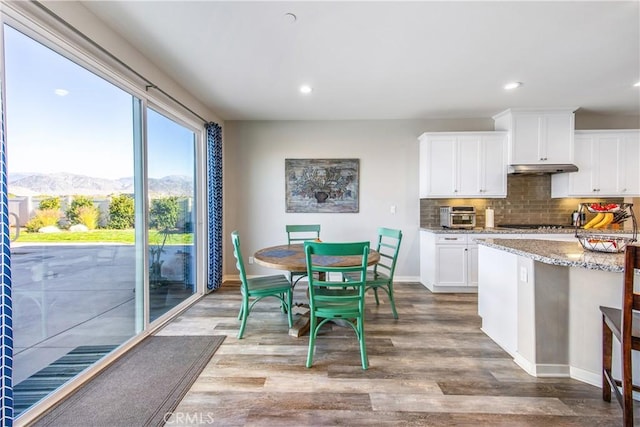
x=569, y=254
x=498, y=230
x=479, y=230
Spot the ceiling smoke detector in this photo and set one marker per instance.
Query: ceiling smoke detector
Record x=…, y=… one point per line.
x=291, y=17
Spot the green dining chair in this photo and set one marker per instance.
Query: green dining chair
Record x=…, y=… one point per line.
x=300, y=233
x=257, y=288
x=381, y=277
x=330, y=299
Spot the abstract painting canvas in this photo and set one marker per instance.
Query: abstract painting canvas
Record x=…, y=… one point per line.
x=321, y=185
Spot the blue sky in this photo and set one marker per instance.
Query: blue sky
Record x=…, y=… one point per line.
x=63, y=118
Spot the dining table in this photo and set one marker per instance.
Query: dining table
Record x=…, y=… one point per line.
x=291, y=257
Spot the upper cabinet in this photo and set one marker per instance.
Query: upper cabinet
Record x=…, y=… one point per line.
x=538, y=136
x=607, y=163
x=463, y=164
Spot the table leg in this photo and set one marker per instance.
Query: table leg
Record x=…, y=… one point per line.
x=301, y=326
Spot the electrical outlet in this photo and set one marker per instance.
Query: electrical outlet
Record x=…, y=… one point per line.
x=250, y=260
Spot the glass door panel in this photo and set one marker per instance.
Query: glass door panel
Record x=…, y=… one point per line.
x=70, y=153
x=171, y=237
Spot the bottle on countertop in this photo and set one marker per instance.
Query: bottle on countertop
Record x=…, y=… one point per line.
x=578, y=217
x=575, y=219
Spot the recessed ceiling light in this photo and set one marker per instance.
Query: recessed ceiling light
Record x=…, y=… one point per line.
x=637, y=84
x=61, y=92
x=306, y=89
x=512, y=85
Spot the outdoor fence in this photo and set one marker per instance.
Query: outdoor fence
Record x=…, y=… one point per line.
x=24, y=208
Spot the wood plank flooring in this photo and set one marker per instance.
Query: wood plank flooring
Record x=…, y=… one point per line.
x=431, y=367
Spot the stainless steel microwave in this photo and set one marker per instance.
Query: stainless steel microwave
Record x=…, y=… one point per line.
x=458, y=216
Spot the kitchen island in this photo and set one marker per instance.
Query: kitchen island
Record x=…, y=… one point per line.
x=539, y=300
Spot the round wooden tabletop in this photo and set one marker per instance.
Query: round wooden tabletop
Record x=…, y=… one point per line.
x=291, y=258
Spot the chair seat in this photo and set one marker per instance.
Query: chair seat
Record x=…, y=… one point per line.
x=372, y=279
x=613, y=317
x=268, y=283
x=256, y=288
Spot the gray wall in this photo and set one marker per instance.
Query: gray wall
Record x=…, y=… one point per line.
x=254, y=184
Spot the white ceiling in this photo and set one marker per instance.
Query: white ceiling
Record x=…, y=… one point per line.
x=389, y=60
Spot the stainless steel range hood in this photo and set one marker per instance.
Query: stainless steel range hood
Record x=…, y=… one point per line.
x=541, y=169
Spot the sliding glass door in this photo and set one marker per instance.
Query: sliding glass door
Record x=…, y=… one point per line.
x=102, y=196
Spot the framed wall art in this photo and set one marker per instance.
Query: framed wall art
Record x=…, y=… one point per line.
x=321, y=185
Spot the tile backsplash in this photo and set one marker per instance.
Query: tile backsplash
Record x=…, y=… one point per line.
x=528, y=201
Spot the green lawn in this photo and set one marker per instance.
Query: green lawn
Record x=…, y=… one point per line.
x=100, y=236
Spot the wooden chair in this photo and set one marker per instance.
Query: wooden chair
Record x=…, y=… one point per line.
x=300, y=233
x=625, y=325
x=381, y=277
x=258, y=288
x=331, y=299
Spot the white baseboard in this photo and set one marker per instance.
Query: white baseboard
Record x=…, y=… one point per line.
x=230, y=278
x=452, y=289
x=502, y=346
x=586, y=376
x=406, y=279
x=542, y=370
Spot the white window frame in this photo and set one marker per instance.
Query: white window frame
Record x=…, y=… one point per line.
x=35, y=23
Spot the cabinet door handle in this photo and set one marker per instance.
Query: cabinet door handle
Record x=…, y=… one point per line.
x=450, y=238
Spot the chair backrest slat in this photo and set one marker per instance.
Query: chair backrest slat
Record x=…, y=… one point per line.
x=631, y=299
x=318, y=253
x=302, y=232
x=388, y=246
x=239, y=262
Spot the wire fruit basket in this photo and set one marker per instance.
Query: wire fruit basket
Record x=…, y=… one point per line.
x=610, y=215
x=604, y=243
x=593, y=236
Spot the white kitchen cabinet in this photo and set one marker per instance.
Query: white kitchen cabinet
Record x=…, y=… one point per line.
x=463, y=164
x=607, y=163
x=541, y=136
x=449, y=261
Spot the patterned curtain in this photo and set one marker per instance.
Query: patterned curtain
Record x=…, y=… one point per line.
x=6, y=321
x=214, y=204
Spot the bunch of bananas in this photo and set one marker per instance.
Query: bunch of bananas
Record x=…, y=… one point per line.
x=601, y=220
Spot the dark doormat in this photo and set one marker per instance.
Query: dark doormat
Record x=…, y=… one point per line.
x=140, y=388
x=28, y=392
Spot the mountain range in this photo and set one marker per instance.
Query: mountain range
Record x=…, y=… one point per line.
x=67, y=184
